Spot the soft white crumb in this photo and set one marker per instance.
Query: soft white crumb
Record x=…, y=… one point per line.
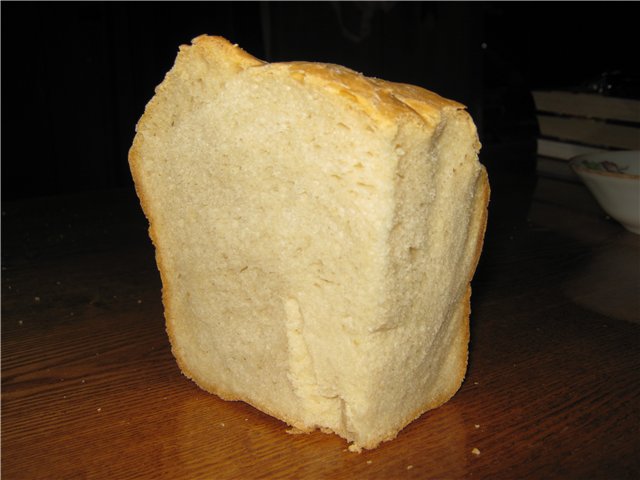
x=369, y=462
x=139, y=301
x=409, y=467
x=19, y=322
x=477, y=425
x=99, y=409
x=475, y=451
x=222, y=424
x=37, y=299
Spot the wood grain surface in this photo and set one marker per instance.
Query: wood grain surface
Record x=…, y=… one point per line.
x=90, y=388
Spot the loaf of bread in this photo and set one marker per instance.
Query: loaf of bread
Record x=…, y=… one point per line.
x=316, y=232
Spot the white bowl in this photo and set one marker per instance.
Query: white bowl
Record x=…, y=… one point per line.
x=614, y=179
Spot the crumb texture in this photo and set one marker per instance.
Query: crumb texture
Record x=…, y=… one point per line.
x=316, y=232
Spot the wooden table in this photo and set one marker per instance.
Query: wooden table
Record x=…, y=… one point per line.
x=90, y=389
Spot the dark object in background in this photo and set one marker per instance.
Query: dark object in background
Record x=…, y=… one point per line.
x=76, y=76
x=616, y=83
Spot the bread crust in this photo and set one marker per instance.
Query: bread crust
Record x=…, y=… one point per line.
x=384, y=101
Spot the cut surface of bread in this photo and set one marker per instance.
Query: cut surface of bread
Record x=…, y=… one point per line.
x=316, y=232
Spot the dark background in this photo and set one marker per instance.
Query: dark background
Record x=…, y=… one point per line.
x=76, y=76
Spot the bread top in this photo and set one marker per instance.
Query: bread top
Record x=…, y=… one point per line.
x=380, y=99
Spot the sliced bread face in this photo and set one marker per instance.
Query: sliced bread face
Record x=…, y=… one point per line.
x=316, y=232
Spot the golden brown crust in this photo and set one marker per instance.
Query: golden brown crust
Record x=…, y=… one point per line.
x=383, y=100
x=216, y=45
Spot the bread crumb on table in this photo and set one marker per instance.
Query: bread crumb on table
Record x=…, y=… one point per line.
x=475, y=451
x=477, y=425
x=409, y=467
x=369, y=462
x=293, y=431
